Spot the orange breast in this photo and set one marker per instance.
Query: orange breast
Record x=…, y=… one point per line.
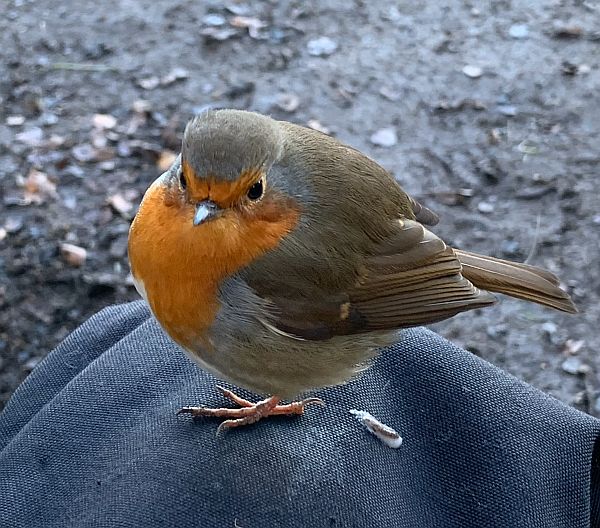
x=180, y=266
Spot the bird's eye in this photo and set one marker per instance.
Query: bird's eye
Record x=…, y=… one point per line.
x=256, y=191
x=182, y=181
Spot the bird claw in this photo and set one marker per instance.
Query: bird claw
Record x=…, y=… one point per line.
x=249, y=412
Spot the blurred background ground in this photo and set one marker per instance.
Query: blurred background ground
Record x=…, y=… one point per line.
x=488, y=112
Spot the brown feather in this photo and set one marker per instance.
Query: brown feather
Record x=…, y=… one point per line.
x=517, y=280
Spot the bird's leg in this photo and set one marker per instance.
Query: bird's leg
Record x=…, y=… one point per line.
x=249, y=412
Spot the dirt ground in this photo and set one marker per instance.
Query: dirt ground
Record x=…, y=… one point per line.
x=488, y=112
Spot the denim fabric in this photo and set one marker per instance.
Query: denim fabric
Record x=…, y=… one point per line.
x=91, y=438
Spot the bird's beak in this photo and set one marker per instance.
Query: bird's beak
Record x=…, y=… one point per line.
x=205, y=210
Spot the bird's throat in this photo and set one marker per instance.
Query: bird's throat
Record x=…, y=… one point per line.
x=181, y=265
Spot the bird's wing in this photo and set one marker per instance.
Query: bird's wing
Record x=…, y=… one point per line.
x=411, y=278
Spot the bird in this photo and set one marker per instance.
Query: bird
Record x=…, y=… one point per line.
x=282, y=261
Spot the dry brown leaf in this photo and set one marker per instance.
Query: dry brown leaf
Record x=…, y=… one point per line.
x=38, y=187
x=252, y=24
x=72, y=254
x=572, y=346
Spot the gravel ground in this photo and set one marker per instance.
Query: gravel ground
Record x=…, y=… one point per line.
x=487, y=112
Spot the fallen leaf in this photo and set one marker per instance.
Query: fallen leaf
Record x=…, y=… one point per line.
x=252, y=24
x=72, y=254
x=165, y=160
x=566, y=31
x=37, y=187
x=572, y=346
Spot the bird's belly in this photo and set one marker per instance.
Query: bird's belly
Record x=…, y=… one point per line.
x=267, y=363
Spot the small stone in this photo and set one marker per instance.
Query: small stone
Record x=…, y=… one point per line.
x=473, y=72
x=118, y=247
x=32, y=136
x=84, y=152
x=3, y=234
x=15, y=120
x=32, y=363
x=507, y=110
x=519, y=31
x=485, y=207
x=596, y=219
x=496, y=331
x=141, y=106
x=549, y=328
x=120, y=204
x=317, y=125
x=176, y=74
x=321, y=47
x=104, y=121
x=13, y=224
x=288, y=102
x=149, y=83
x=385, y=137
x=107, y=166
x=510, y=247
x=390, y=94
x=574, y=365
x=213, y=20
x=48, y=118
x=72, y=254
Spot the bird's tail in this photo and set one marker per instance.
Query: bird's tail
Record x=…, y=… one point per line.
x=517, y=280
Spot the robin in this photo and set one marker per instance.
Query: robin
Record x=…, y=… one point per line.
x=281, y=260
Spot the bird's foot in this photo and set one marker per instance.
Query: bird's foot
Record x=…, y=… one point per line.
x=249, y=412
